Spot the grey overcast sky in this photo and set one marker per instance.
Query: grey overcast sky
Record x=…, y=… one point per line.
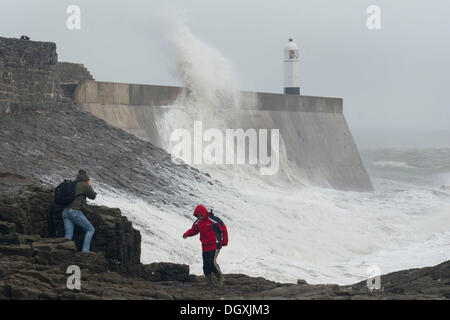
x=397, y=77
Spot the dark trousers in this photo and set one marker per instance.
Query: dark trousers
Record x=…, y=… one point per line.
x=209, y=262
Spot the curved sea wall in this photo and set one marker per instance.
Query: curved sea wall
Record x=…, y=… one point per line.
x=316, y=135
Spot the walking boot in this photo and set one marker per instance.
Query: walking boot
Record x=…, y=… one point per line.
x=209, y=280
x=219, y=277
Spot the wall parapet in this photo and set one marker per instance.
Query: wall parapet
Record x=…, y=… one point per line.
x=90, y=91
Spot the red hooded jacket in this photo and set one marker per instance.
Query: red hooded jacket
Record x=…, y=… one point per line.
x=213, y=232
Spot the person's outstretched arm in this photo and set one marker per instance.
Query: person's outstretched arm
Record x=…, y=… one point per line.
x=192, y=231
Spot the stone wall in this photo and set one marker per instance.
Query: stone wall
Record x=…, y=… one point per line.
x=70, y=74
x=28, y=78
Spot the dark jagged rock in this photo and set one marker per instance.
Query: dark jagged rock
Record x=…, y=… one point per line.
x=33, y=213
x=164, y=271
x=7, y=227
x=424, y=283
x=27, y=254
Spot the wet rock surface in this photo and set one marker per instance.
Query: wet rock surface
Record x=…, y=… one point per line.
x=54, y=145
x=34, y=261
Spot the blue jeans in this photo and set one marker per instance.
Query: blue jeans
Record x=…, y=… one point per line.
x=73, y=217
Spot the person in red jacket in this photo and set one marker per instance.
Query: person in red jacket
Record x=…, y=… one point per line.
x=213, y=235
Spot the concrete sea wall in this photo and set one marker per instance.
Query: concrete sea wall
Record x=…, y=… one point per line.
x=315, y=132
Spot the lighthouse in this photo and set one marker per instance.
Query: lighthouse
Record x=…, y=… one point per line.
x=291, y=68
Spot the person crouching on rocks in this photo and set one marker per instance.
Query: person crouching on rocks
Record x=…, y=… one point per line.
x=72, y=215
x=213, y=235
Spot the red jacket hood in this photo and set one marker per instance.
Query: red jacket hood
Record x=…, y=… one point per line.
x=202, y=211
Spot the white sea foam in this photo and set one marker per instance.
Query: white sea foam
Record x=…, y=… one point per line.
x=393, y=164
x=315, y=234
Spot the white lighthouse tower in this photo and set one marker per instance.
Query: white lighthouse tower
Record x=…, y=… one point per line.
x=291, y=68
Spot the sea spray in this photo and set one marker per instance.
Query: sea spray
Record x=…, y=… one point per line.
x=320, y=235
x=212, y=97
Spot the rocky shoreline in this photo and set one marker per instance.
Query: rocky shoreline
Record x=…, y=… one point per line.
x=34, y=259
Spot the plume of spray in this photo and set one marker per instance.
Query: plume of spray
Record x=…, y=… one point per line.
x=212, y=93
x=211, y=96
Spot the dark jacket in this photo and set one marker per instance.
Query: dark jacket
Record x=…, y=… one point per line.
x=213, y=232
x=82, y=190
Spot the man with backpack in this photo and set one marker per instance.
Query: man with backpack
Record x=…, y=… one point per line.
x=72, y=196
x=213, y=235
